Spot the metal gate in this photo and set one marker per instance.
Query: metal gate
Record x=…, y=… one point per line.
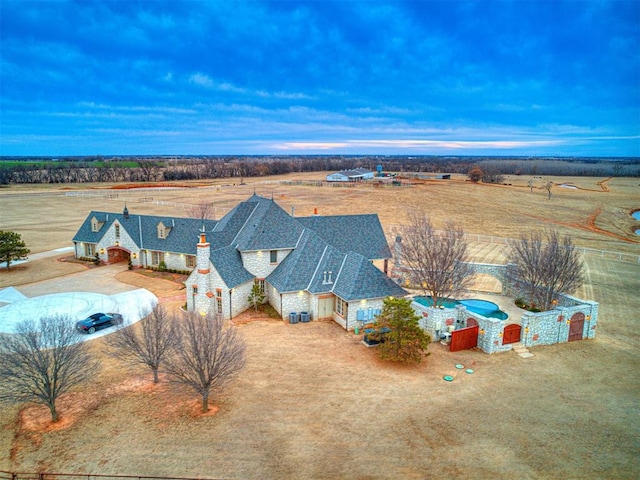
x=464, y=339
x=576, y=326
x=511, y=334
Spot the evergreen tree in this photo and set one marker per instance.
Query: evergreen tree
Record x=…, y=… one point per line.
x=256, y=297
x=397, y=328
x=12, y=247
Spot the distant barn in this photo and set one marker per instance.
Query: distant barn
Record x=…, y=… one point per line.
x=356, y=175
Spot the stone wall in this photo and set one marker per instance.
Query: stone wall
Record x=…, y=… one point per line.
x=548, y=328
x=259, y=264
x=295, y=302
x=544, y=328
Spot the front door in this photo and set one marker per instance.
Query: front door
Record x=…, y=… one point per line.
x=325, y=307
x=117, y=255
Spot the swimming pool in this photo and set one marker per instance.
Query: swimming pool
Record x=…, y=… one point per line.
x=481, y=307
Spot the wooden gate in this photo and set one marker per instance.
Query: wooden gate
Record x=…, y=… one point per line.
x=464, y=339
x=576, y=327
x=511, y=334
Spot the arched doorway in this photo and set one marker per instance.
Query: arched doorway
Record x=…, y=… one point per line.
x=576, y=327
x=511, y=334
x=117, y=255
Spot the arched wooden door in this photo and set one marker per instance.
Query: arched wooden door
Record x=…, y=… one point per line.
x=576, y=326
x=511, y=334
x=117, y=255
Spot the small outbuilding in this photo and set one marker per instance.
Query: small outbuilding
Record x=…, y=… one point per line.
x=356, y=175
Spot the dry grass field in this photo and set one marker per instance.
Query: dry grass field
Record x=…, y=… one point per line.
x=313, y=402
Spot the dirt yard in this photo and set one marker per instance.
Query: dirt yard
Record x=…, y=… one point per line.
x=313, y=402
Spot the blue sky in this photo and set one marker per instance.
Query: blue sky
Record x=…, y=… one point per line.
x=320, y=77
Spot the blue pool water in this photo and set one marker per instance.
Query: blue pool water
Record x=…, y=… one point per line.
x=481, y=307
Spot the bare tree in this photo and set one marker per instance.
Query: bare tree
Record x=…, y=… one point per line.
x=546, y=265
x=43, y=360
x=531, y=183
x=203, y=211
x=475, y=174
x=548, y=185
x=149, y=170
x=208, y=354
x=436, y=260
x=147, y=343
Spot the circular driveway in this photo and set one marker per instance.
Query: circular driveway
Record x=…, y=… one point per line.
x=75, y=297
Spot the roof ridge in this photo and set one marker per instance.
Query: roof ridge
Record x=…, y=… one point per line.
x=240, y=230
x=335, y=282
x=313, y=275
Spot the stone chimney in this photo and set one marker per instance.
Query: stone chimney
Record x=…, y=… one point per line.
x=203, y=251
x=397, y=252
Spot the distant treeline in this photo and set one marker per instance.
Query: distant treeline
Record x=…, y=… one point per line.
x=165, y=168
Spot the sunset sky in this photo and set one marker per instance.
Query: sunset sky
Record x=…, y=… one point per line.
x=321, y=77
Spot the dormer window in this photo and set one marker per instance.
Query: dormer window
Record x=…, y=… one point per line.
x=95, y=225
x=163, y=231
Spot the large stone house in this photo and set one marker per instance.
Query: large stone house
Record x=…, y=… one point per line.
x=321, y=265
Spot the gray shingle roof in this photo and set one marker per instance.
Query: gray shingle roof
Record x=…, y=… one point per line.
x=230, y=225
x=359, y=279
x=325, y=275
x=362, y=234
x=228, y=263
x=296, y=271
x=268, y=227
x=142, y=229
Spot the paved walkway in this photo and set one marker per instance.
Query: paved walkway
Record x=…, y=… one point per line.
x=38, y=256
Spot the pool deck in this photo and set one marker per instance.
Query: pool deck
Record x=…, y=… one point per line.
x=505, y=303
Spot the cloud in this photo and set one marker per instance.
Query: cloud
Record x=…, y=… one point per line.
x=201, y=80
x=403, y=76
x=418, y=144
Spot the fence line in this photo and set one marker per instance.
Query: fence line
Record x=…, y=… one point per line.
x=473, y=237
x=218, y=211
x=83, y=476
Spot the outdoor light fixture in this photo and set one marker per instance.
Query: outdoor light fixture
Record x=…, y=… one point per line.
x=117, y=243
x=134, y=256
x=101, y=251
x=588, y=318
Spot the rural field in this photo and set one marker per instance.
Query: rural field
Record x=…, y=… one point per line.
x=313, y=402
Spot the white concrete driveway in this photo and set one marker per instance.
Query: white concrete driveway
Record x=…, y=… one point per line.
x=75, y=297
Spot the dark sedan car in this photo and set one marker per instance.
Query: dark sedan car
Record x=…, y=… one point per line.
x=97, y=321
